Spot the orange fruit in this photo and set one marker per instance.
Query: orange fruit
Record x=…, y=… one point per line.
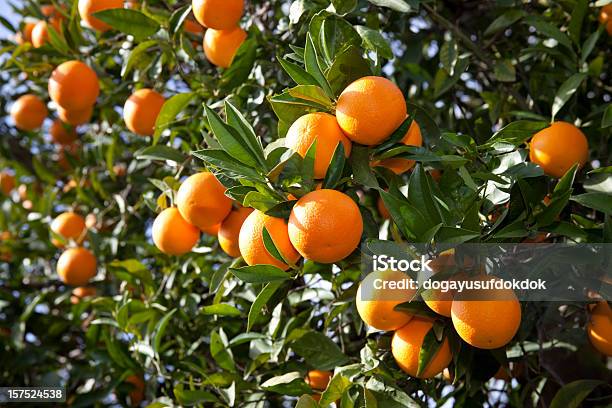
x=191, y=26
x=437, y=300
x=61, y=133
x=25, y=36
x=318, y=379
x=68, y=151
x=49, y=10
x=40, y=32
x=376, y=303
x=558, y=147
x=218, y=14
x=370, y=109
x=202, y=201
x=599, y=328
x=220, y=46
x=406, y=349
x=28, y=112
x=486, y=318
x=323, y=129
x=325, y=226
x=172, y=234
x=70, y=226
x=230, y=231
x=88, y=7
x=141, y=110
x=382, y=209
x=7, y=182
x=398, y=165
x=251, y=242
x=137, y=393
x=76, y=266
x=75, y=117
x=214, y=230
x=82, y=292
x=605, y=14
x=74, y=86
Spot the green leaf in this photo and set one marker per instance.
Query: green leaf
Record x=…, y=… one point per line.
x=374, y=41
x=449, y=52
x=516, y=133
x=230, y=139
x=260, y=274
x=347, y=67
x=336, y=168
x=547, y=29
x=287, y=384
x=129, y=21
x=223, y=160
x=271, y=246
x=565, y=92
x=504, y=21
x=297, y=73
x=237, y=121
x=319, y=351
x=398, y=5
x=241, y=67
x=360, y=163
x=136, y=56
x=504, y=71
x=575, y=27
x=306, y=401
x=160, y=152
x=192, y=397
x=220, y=352
x=169, y=111
x=335, y=389
x=264, y=296
x=221, y=309
x=597, y=201
x=160, y=329
x=311, y=60
x=429, y=349
x=589, y=45
x=606, y=119
x=572, y=394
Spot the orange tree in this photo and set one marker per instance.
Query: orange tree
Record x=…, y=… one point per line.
x=187, y=188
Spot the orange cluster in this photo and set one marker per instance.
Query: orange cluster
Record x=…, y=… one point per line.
x=223, y=36
x=37, y=32
x=486, y=319
x=77, y=265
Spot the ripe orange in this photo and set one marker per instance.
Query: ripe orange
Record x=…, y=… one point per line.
x=376, y=303
x=251, y=242
x=323, y=129
x=318, y=379
x=230, y=231
x=88, y=7
x=172, y=234
x=486, y=318
x=25, y=36
x=29, y=112
x=7, y=182
x=74, y=86
x=68, y=225
x=605, y=17
x=137, y=393
x=62, y=134
x=49, y=10
x=437, y=300
x=558, y=147
x=370, y=109
x=599, y=328
x=141, y=110
x=406, y=349
x=75, y=117
x=218, y=14
x=398, y=165
x=82, y=292
x=193, y=27
x=40, y=32
x=325, y=226
x=214, y=230
x=76, y=266
x=202, y=201
x=220, y=46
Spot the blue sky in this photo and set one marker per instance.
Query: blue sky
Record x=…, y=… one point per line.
x=6, y=12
